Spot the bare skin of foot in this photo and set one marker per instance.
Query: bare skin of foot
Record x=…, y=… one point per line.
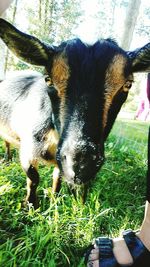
x=120, y=249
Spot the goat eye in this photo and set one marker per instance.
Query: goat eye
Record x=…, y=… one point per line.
x=48, y=80
x=127, y=86
x=51, y=88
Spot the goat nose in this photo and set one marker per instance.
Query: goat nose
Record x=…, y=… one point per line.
x=67, y=164
x=71, y=173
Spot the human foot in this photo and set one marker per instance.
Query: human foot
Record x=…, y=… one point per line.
x=120, y=251
x=109, y=253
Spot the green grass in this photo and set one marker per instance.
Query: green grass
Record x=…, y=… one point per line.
x=58, y=233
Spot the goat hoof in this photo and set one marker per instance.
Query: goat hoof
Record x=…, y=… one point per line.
x=28, y=204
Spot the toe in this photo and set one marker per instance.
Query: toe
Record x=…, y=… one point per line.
x=93, y=263
x=94, y=255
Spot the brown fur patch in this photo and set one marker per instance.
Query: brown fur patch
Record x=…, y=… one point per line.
x=50, y=144
x=114, y=82
x=8, y=135
x=60, y=74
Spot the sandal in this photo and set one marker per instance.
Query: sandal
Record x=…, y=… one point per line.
x=139, y=253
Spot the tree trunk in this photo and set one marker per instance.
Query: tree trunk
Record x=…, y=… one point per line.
x=45, y=14
x=13, y=20
x=49, y=10
x=113, y=14
x=40, y=10
x=2, y=60
x=50, y=24
x=130, y=22
x=3, y=6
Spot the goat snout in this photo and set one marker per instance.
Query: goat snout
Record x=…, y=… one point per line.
x=79, y=166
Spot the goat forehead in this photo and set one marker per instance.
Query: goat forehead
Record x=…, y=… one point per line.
x=78, y=60
x=97, y=72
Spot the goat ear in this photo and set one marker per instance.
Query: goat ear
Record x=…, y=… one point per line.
x=24, y=46
x=140, y=59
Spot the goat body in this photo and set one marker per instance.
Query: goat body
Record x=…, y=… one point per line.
x=68, y=120
x=26, y=121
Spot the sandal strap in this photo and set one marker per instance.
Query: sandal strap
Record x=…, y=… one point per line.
x=134, y=244
x=105, y=245
x=106, y=256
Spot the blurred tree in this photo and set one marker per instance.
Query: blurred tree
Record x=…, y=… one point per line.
x=143, y=24
x=106, y=17
x=12, y=21
x=70, y=14
x=40, y=10
x=3, y=6
x=130, y=22
x=50, y=20
x=110, y=16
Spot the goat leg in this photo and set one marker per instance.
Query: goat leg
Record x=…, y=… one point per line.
x=56, y=180
x=8, y=152
x=32, y=183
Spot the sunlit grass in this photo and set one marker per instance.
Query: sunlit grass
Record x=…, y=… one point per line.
x=58, y=233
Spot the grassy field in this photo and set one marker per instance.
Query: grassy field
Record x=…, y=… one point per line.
x=58, y=233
